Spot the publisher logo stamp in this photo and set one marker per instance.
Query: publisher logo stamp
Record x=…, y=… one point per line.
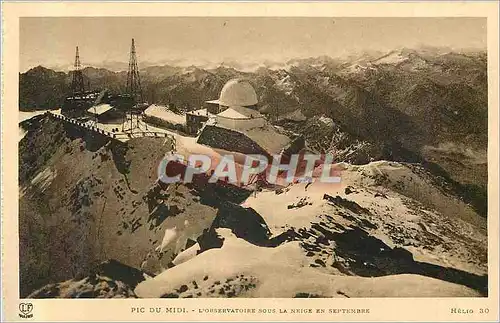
x=25, y=310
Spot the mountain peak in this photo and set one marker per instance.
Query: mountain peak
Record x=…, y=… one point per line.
x=38, y=69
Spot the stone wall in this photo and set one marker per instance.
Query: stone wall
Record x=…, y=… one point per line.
x=230, y=140
x=155, y=121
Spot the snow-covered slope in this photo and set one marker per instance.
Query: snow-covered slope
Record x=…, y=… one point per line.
x=242, y=269
x=386, y=230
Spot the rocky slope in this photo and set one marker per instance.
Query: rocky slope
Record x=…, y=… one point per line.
x=93, y=217
x=85, y=199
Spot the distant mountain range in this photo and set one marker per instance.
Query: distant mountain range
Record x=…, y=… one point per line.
x=412, y=98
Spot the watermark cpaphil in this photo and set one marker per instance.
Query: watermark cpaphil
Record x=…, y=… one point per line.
x=278, y=169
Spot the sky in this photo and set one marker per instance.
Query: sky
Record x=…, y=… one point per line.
x=51, y=42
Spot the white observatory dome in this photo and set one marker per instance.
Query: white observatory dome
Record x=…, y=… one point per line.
x=237, y=92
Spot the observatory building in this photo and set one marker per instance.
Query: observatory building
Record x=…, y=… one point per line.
x=240, y=127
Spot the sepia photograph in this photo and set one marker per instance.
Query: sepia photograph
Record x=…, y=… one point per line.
x=253, y=157
x=403, y=113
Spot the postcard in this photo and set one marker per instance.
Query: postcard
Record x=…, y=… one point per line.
x=260, y=161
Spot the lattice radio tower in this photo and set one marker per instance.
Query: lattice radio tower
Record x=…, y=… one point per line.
x=133, y=79
x=134, y=89
x=77, y=84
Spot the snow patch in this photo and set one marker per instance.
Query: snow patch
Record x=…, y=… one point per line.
x=169, y=237
x=164, y=113
x=392, y=58
x=285, y=84
x=187, y=254
x=327, y=121
x=43, y=179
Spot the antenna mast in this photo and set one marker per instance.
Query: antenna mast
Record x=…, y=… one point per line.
x=77, y=84
x=133, y=79
x=133, y=90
